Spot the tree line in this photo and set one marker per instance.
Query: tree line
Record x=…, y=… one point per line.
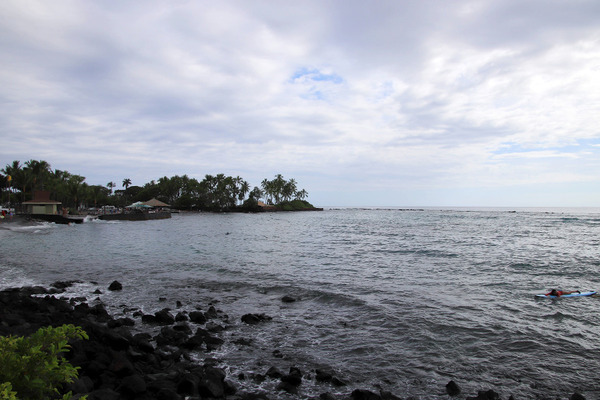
x=213, y=193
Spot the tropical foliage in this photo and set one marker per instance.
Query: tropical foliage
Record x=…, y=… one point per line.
x=33, y=367
x=213, y=193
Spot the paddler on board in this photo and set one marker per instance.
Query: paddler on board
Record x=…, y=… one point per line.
x=558, y=293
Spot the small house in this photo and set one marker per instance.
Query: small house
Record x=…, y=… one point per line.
x=41, y=204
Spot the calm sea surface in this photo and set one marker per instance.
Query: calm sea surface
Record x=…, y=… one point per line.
x=404, y=300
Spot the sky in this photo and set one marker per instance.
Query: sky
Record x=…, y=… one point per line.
x=363, y=103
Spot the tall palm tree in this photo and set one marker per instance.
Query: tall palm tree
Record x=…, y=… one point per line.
x=289, y=189
x=302, y=194
x=126, y=183
x=12, y=169
x=21, y=177
x=13, y=174
x=77, y=189
x=279, y=184
x=95, y=192
x=40, y=170
x=244, y=189
x=111, y=185
x=267, y=187
x=59, y=185
x=256, y=193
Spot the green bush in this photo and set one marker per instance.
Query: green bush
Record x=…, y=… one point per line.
x=295, y=205
x=6, y=392
x=33, y=367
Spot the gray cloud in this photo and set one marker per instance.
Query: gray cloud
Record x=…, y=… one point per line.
x=418, y=97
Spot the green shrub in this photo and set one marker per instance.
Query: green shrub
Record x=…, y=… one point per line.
x=33, y=367
x=6, y=392
x=295, y=205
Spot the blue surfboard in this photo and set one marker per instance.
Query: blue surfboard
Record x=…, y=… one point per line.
x=566, y=295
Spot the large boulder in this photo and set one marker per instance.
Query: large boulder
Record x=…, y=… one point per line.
x=197, y=317
x=362, y=394
x=164, y=317
x=323, y=374
x=294, y=377
x=253, y=319
x=115, y=285
x=170, y=337
x=212, y=383
x=485, y=395
x=452, y=388
x=288, y=299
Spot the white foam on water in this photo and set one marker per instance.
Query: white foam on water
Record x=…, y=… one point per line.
x=13, y=277
x=40, y=228
x=94, y=220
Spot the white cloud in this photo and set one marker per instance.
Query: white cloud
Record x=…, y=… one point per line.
x=426, y=95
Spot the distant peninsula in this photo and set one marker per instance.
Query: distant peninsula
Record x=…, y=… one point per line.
x=215, y=193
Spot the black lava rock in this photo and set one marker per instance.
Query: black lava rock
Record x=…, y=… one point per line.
x=452, y=388
x=362, y=394
x=294, y=378
x=164, y=317
x=115, y=285
x=197, y=317
x=485, y=395
x=115, y=365
x=288, y=299
x=253, y=319
x=323, y=375
x=274, y=373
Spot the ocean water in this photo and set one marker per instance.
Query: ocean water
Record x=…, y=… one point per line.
x=402, y=300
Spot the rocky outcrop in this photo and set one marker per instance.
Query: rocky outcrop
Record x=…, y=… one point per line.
x=114, y=363
x=253, y=319
x=115, y=285
x=117, y=364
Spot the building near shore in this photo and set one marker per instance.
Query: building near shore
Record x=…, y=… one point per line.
x=41, y=204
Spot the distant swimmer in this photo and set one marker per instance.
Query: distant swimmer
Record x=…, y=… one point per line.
x=558, y=293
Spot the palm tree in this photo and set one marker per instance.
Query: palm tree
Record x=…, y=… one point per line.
x=58, y=185
x=126, y=183
x=244, y=188
x=39, y=171
x=111, y=185
x=12, y=169
x=267, y=187
x=302, y=194
x=13, y=174
x=289, y=189
x=21, y=176
x=241, y=188
x=95, y=191
x=76, y=188
x=256, y=193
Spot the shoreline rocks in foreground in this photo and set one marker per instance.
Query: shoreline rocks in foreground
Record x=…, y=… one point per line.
x=116, y=363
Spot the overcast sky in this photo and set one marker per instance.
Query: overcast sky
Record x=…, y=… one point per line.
x=389, y=103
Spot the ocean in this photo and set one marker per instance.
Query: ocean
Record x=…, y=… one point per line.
x=403, y=300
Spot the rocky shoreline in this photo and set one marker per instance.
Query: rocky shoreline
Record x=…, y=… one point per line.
x=123, y=360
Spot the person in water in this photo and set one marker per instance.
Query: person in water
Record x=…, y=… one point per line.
x=558, y=293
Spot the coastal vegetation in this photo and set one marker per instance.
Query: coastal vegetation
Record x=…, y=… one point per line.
x=213, y=193
x=34, y=367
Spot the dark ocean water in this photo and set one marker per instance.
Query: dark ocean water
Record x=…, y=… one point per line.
x=403, y=300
